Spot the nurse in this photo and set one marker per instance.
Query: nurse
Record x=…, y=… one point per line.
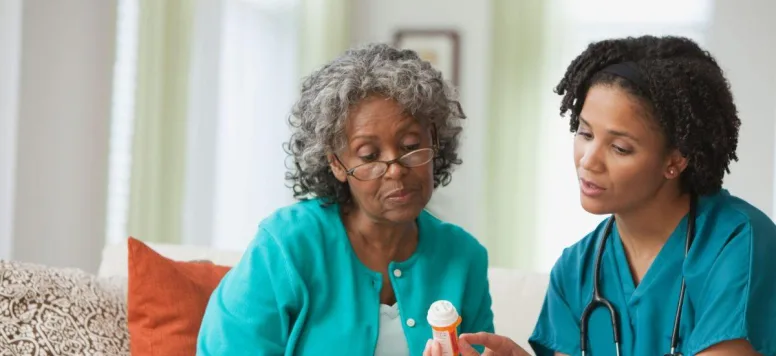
x=655, y=130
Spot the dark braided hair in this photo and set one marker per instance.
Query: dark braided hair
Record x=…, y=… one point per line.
x=686, y=93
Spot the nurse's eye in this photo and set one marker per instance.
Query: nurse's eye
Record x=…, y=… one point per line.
x=621, y=151
x=585, y=135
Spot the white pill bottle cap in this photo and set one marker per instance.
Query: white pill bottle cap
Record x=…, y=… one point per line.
x=442, y=314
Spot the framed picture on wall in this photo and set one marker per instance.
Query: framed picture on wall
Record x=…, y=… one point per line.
x=440, y=47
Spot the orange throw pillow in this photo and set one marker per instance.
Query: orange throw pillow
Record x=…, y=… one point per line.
x=166, y=301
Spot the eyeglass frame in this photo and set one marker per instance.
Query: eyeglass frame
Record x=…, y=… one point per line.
x=434, y=148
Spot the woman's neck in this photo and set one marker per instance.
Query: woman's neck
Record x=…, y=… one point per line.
x=381, y=241
x=644, y=231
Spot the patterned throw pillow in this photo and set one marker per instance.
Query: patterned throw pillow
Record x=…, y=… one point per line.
x=57, y=311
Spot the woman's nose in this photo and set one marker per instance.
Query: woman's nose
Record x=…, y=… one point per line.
x=396, y=170
x=591, y=158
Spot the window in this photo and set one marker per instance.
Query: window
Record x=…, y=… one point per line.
x=243, y=81
x=258, y=85
x=122, y=111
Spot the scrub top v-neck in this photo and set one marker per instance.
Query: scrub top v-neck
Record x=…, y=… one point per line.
x=729, y=271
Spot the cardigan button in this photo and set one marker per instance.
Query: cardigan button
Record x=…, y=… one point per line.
x=397, y=273
x=411, y=322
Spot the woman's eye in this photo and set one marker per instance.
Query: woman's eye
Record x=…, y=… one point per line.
x=412, y=147
x=369, y=157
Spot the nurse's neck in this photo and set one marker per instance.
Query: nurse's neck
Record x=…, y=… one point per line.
x=645, y=230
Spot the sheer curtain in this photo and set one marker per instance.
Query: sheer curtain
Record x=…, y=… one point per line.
x=244, y=83
x=237, y=165
x=257, y=88
x=560, y=220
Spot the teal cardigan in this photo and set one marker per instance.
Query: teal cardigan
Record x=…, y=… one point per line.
x=299, y=289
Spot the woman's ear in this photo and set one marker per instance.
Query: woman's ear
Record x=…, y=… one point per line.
x=337, y=168
x=677, y=163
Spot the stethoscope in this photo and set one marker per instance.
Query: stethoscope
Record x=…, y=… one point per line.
x=598, y=300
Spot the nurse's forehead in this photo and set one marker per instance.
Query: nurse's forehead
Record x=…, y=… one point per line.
x=611, y=108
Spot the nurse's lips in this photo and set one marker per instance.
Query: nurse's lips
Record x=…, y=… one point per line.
x=589, y=188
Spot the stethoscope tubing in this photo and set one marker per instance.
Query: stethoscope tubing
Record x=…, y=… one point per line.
x=598, y=300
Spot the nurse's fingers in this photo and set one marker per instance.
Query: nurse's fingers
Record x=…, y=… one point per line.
x=491, y=341
x=500, y=345
x=467, y=349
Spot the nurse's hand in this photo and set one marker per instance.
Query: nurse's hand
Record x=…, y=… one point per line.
x=495, y=345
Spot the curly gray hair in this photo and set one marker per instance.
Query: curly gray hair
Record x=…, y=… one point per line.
x=318, y=117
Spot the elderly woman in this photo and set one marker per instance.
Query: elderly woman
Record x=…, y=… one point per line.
x=353, y=267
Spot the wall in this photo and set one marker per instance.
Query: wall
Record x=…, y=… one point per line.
x=375, y=21
x=64, y=109
x=741, y=38
x=10, y=36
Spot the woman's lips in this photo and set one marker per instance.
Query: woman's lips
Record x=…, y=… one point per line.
x=589, y=188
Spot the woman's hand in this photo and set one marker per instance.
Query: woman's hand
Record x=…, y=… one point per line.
x=495, y=345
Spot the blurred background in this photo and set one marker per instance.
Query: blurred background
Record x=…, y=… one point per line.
x=164, y=119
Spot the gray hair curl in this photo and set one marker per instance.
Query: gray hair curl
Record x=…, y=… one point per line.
x=318, y=118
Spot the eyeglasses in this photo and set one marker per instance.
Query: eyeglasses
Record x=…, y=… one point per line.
x=374, y=170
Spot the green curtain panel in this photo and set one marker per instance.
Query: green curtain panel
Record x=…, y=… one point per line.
x=158, y=156
x=513, y=127
x=325, y=32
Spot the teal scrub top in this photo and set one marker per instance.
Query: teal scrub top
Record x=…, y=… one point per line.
x=730, y=275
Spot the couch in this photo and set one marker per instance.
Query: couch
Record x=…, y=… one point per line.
x=41, y=300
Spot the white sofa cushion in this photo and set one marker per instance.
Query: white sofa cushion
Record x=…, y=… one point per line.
x=115, y=260
x=517, y=300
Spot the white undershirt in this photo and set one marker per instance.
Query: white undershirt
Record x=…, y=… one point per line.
x=390, y=337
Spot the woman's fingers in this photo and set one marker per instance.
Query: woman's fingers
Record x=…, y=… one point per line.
x=427, y=350
x=433, y=348
x=436, y=348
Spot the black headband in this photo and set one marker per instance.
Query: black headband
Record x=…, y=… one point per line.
x=629, y=71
